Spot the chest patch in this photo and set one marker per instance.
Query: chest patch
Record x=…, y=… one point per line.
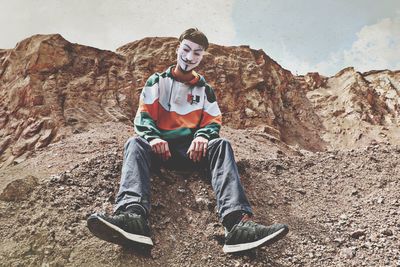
x=193, y=99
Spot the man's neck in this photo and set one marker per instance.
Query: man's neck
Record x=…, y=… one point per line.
x=181, y=75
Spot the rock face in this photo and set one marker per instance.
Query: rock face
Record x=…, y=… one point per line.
x=50, y=88
x=358, y=109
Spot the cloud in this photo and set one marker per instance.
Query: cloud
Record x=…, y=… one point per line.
x=108, y=24
x=292, y=62
x=377, y=47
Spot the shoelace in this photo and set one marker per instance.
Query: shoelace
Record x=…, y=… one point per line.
x=246, y=217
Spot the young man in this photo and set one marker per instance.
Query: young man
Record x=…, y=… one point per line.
x=178, y=123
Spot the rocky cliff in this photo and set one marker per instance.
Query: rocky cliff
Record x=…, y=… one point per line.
x=358, y=109
x=50, y=88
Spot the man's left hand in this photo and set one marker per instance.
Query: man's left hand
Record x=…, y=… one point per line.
x=198, y=149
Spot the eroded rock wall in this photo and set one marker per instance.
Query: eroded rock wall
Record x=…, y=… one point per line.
x=50, y=88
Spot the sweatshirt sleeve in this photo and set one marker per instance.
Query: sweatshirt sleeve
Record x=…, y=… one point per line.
x=211, y=120
x=147, y=113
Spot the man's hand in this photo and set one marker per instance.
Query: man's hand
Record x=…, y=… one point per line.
x=198, y=149
x=161, y=148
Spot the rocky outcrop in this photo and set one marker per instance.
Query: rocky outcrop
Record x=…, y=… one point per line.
x=50, y=88
x=358, y=109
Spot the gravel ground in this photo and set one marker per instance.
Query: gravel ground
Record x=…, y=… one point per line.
x=342, y=208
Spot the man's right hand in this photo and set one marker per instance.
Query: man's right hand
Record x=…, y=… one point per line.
x=161, y=148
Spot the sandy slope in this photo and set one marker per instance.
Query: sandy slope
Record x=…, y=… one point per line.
x=342, y=207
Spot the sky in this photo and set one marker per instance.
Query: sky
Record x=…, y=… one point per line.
x=301, y=35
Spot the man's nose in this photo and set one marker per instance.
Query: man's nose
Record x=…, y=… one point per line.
x=190, y=56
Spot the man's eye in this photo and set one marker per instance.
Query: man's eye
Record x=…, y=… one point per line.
x=186, y=50
x=196, y=54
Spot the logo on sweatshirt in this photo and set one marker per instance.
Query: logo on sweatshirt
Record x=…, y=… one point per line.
x=193, y=99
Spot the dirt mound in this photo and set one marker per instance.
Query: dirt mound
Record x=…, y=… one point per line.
x=331, y=200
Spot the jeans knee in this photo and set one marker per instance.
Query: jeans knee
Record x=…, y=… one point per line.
x=222, y=141
x=135, y=141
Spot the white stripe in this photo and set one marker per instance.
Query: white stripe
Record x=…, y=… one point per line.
x=247, y=246
x=150, y=94
x=182, y=109
x=212, y=108
x=133, y=237
x=178, y=100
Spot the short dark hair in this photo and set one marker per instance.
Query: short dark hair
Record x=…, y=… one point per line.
x=196, y=36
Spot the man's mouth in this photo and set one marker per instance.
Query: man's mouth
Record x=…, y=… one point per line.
x=188, y=62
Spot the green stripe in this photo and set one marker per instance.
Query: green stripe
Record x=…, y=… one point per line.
x=173, y=134
x=145, y=126
x=153, y=79
x=210, y=94
x=210, y=131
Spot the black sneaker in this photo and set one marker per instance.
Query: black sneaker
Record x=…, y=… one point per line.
x=123, y=228
x=248, y=235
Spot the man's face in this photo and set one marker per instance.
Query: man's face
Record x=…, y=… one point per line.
x=189, y=55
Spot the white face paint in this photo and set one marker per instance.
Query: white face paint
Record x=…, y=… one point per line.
x=189, y=55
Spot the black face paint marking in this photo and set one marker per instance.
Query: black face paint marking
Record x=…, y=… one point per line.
x=190, y=62
x=184, y=71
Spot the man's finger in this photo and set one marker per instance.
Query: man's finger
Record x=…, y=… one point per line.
x=205, y=149
x=166, y=152
x=162, y=148
x=162, y=154
x=194, y=156
x=200, y=147
x=154, y=148
x=195, y=146
x=190, y=149
x=167, y=147
x=198, y=155
x=158, y=148
x=200, y=151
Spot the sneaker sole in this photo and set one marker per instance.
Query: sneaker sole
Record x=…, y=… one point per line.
x=111, y=233
x=262, y=242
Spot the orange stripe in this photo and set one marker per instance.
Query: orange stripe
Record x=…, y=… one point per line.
x=170, y=120
x=152, y=109
x=207, y=119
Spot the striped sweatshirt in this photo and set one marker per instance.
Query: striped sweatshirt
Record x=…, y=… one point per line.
x=169, y=109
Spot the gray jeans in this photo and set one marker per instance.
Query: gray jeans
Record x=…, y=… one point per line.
x=219, y=163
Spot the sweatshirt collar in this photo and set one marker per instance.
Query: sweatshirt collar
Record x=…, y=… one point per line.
x=197, y=81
